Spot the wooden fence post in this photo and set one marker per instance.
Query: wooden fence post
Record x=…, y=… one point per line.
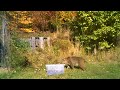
x=33, y=42
x=41, y=42
x=48, y=41
x=37, y=42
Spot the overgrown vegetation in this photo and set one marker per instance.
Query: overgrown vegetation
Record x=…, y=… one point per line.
x=18, y=48
x=97, y=29
x=60, y=48
x=94, y=35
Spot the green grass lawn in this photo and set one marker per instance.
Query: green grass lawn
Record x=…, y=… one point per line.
x=93, y=71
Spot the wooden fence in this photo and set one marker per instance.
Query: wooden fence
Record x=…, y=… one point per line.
x=39, y=42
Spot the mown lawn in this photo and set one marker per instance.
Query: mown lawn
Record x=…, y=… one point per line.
x=93, y=71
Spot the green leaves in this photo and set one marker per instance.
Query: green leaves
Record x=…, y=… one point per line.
x=103, y=45
x=97, y=28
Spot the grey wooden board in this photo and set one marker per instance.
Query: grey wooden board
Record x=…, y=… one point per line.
x=39, y=42
x=33, y=42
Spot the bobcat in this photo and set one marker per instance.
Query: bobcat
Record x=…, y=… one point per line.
x=74, y=61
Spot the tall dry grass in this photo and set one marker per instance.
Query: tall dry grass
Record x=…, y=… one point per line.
x=61, y=47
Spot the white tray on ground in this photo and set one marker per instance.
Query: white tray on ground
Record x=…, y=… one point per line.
x=53, y=69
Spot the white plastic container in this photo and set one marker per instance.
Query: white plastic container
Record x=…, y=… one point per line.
x=53, y=69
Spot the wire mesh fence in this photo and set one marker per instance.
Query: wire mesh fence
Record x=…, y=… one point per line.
x=4, y=40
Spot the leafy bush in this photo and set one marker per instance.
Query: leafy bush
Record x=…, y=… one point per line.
x=39, y=58
x=50, y=55
x=63, y=45
x=18, y=48
x=92, y=27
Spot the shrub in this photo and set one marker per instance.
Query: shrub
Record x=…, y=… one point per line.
x=18, y=48
x=63, y=45
x=39, y=58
